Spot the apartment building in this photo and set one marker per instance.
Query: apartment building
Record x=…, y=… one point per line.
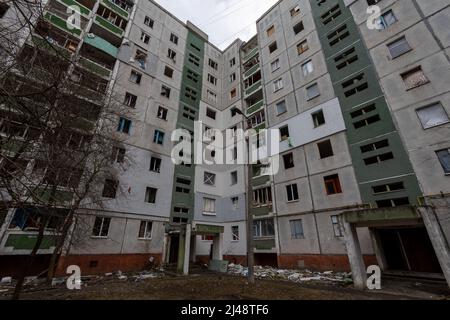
x=362, y=115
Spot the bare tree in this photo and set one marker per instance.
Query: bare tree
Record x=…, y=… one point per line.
x=58, y=131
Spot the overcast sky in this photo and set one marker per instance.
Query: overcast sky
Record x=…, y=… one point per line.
x=222, y=20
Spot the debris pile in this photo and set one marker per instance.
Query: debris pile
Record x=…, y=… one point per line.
x=292, y=275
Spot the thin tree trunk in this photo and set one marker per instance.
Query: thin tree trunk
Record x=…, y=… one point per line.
x=31, y=258
x=59, y=244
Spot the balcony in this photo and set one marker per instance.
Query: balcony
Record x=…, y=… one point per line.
x=255, y=107
x=50, y=46
x=108, y=26
x=95, y=67
x=253, y=88
x=83, y=10
x=62, y=24
x=260, y=180
x=102, y=44
x=251, y=54
x=251, y=71
x=114, y=7
x=27, y=240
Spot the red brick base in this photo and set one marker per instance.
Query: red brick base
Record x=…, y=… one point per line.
x=322, y=262
x=96, y=264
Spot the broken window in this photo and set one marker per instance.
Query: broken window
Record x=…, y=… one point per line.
x=150, y=195
x=110, y=189
x=149, y=22
x=332, y=184
x=336, y=226
x=271, y=31
x=124, y=125
x=162, y=113
x=292, y=192
x=298, y=28
x=288, y=160
x=145, y=230
x=118, y=155
x=135, y=77
x=165, y=91
x=168, y=72
x=155, y=164
x=273, y=47
x=158, y=137
x=284, y=133
x=145, y=38
x=171, y=55
x=31, y=218
x=325, y=149
x=141, y=59
x=318, y=118
x=262, y=197
x=263, y=228
x=130, y=100
x=235, y=233
x=101, y=227
x=444, y=159
x=414, y=78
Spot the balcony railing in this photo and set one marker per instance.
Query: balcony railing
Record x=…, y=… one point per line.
x=114, y=7
x=95, y=67
x=108, y=26
x=83, y=10
x=253, y=88
x=255, y=107
x=251, y=54
x=62, y=23
x=251, y=71
x=52, y=47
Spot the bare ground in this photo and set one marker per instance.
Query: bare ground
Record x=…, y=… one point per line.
x=226, y=287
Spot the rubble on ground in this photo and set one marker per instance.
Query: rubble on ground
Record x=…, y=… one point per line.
x=298, y=276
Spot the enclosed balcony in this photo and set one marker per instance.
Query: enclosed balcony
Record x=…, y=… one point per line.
x=89, y=85
x=54, y=40
x=110, y=21
x=85, y=6
x=97, y=61
x=254, y=102
x=57, y=15
x=252, y=83
x=121, y=7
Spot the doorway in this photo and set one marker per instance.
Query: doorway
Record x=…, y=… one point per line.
x=409, y=249
x=174, y=246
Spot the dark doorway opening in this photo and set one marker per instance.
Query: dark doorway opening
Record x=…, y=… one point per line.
x=174, y=246
x=409, y=249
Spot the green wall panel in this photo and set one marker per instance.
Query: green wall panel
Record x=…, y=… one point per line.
x=195, y=47
x=377, y=119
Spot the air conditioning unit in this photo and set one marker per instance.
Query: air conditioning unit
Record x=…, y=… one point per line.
x=90, y=35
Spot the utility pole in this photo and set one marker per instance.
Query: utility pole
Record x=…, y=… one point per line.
x=249, y=216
